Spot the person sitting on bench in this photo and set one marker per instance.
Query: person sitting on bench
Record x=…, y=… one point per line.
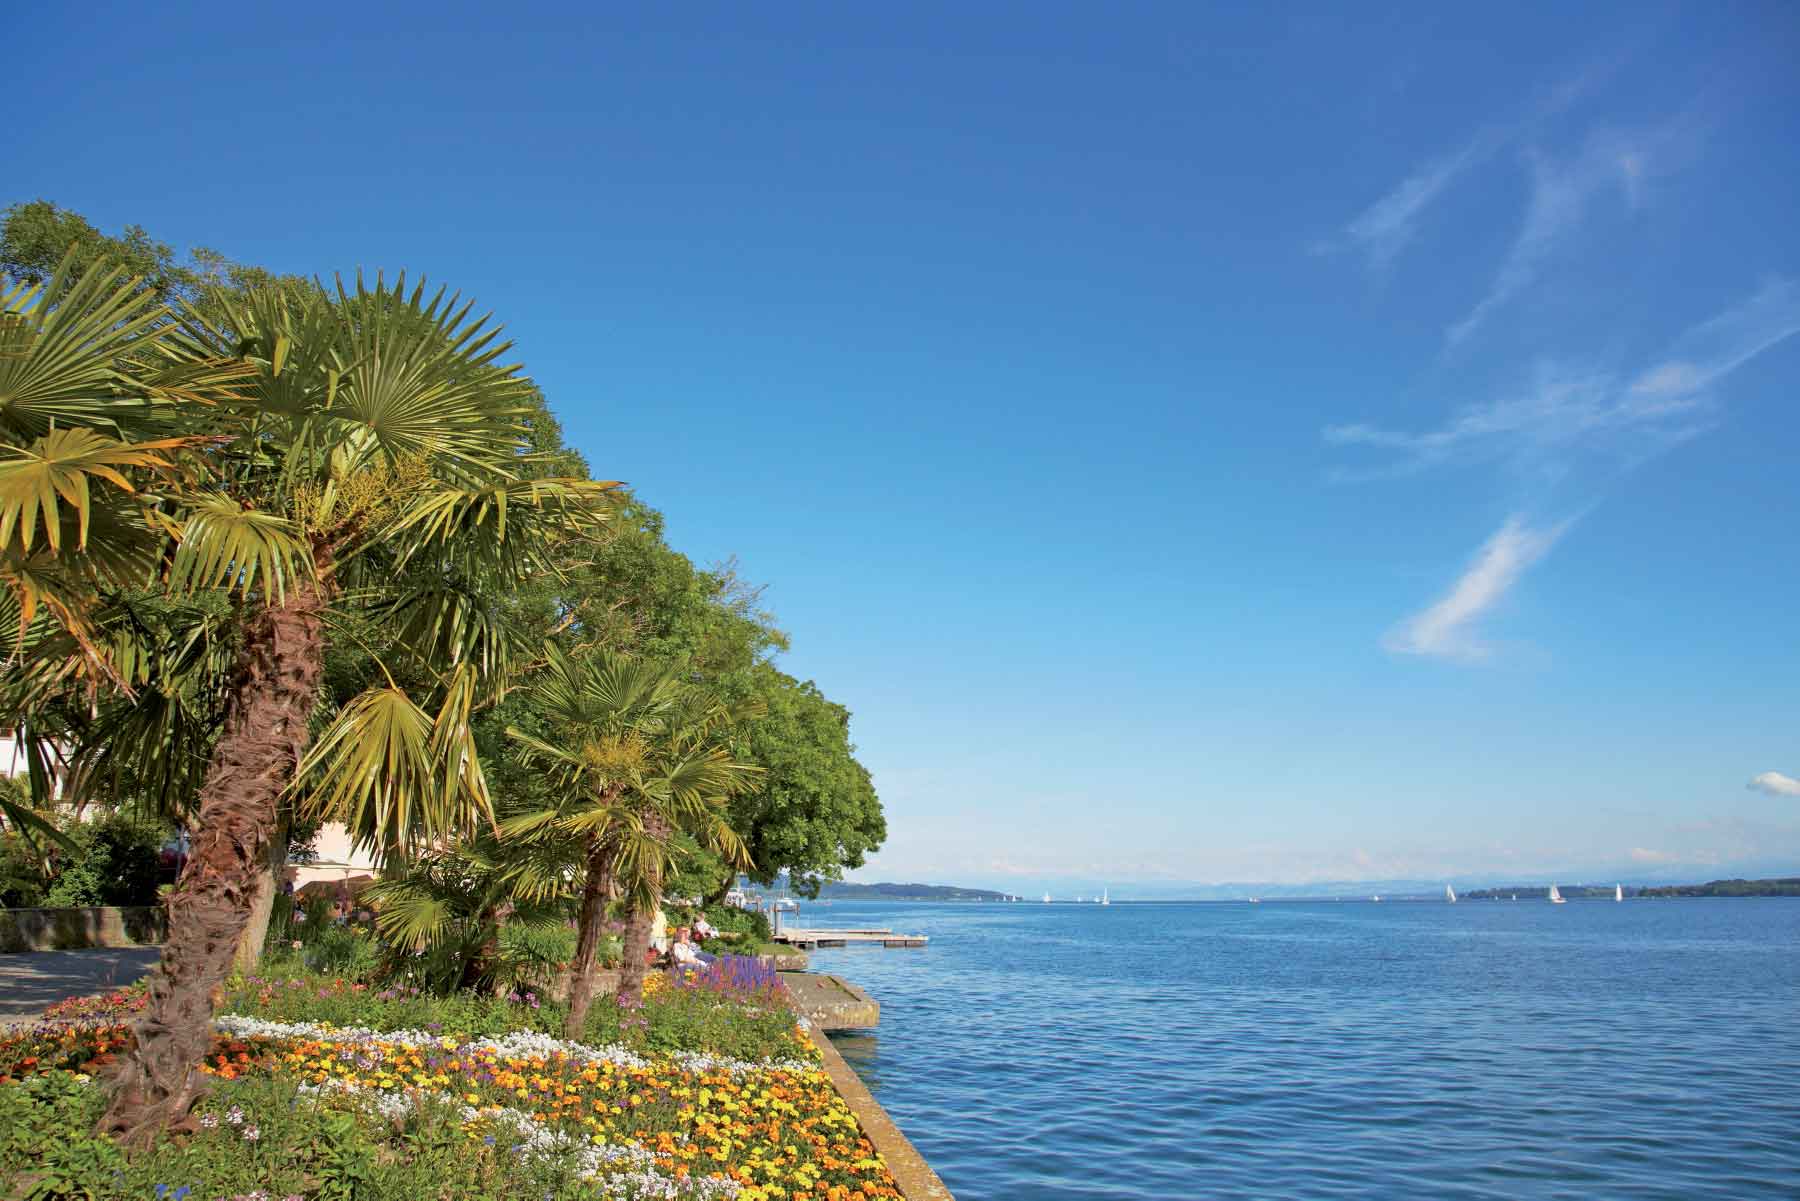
x=683, y=953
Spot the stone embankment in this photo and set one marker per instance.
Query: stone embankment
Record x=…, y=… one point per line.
x=75, y=929
x=833, y=1003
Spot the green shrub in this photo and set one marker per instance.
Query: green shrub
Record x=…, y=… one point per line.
x=731, y=920
x=118, y=863
x=532, y=953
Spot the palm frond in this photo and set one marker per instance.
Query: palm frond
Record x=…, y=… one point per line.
x=392, y=774
x=64, y=349
x=61, y=468
x=225, y=545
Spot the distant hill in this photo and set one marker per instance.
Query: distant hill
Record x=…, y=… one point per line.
x=839, y=890
x=1786, y=887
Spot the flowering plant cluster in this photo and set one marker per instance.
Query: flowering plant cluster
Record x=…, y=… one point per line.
x=778, y=1130
x=66, y=1046
x=741, y=978
x=119, y=1004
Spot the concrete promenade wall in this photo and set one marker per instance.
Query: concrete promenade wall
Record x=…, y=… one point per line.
x=914, y=1176
x=74, y=929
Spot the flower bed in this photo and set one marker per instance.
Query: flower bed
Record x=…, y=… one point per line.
x=618, y=1119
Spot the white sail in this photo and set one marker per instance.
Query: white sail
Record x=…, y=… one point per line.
x=1556, y=898
x=1046, y=898
x=1450, y=894
x=1618, y=892
x=1106, y=896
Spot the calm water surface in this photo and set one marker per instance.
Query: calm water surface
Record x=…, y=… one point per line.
x=1486, y=1049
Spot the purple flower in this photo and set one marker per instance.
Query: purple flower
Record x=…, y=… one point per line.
x=251, y=1134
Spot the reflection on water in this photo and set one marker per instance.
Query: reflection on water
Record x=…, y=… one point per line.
x=1592, y=1049
x=862, y=1051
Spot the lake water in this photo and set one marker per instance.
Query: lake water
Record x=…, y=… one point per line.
x=1487, y=1049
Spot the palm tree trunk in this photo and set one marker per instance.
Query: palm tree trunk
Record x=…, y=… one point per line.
x=260, y=743
x=632, y=967
x=479, y=967
x=639, y=921
x=268, y=887
x=587, y=939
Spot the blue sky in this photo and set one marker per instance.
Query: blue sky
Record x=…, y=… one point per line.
x=1279, y=444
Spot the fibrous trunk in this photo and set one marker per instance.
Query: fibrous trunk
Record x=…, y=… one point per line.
x=256, y=930
x=637, y=924
x=260, y=743
x=483, y=963
x=594, y=896
x=638, y=920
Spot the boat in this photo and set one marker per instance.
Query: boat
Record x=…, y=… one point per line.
x=1618, y=892
x=1449, y=894
x=1556, y=898
x=1376, y=897
x=1046, y=898
x=1105, y=896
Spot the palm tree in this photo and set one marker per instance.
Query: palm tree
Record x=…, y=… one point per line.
x=323, y=455
x=640, y=752
x=454, y=906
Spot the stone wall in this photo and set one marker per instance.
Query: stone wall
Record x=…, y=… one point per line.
x=72, y=929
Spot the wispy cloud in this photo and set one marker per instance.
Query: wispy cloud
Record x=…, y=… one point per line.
x=1715, y=348
x=1645, y=855
x=1567, y=409
x=1775, y=784
x=1447, y=628
x=1561, y=195
x=1383, y=229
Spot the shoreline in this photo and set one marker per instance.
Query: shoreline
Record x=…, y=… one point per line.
x=915, y=1177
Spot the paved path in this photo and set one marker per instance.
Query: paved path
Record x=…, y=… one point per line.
x=30, y=980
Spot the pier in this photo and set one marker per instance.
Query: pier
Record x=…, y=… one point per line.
x=808, y=940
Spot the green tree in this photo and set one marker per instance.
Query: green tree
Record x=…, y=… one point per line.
x=37, y=237
x=813, y=813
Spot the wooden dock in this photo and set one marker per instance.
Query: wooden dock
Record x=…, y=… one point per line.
x=810, y=940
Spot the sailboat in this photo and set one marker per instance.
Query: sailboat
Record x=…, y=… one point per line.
x=1046, y=898
x=1449, y=894
x=1105, y=896
x=1618, y=892
x=1556, y=898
